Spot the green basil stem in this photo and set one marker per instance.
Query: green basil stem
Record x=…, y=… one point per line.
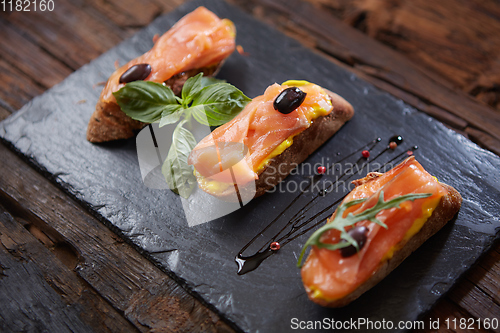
x=210, y=101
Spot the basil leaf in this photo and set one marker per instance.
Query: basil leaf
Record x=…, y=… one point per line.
x=207, y=81
x=191, y=87
x=145, y=101
x=217, y=104
x=171, y=114
x=199, y=114
x=194, y=84
x=176, y=170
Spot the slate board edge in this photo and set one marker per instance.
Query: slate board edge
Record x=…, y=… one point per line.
x=67, y=188
x=473, y=264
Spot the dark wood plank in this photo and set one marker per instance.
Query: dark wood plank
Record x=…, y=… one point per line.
x=472, y=298
x=125, y=279
x=5, y=110
x=486, y=275
x=376, y=60
x=16, y=88
x=50, y=267
x=89, y=33
x=484, y=139
x=168, y=6
x=436, y=112
x=457, y=40
x=35, y=308
x=29, y=58
x=444, y=313
x=128, y=13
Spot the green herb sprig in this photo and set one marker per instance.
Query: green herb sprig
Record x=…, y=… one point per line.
x=209, y=101
x=340, y=223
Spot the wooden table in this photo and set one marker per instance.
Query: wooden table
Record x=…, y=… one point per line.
x=61, y=268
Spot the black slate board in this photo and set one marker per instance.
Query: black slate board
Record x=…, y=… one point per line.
x=50, y=132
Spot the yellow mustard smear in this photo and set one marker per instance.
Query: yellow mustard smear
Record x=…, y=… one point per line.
x=278, y=150
x=295, y=83
x=316, y=293
x=427, y=210
x=210, y=185
x=314, y=113
x=231, y=26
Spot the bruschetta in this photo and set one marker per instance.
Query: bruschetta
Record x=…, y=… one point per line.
x=273, y=133
x=197, y=43
x=336, y=277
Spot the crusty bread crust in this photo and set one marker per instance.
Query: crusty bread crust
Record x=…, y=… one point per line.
x=445, y=211
x=109, y=122
x=304, y=144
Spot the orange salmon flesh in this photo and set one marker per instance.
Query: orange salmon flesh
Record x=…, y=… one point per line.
x=329, y=276
x=260, y=128
x=198, y=40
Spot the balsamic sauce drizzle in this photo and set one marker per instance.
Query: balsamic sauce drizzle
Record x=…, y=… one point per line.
x=293, y=228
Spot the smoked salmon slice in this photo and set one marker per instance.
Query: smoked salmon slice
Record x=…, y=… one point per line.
x=198, y=42
x=331, y=278
x=261, y=129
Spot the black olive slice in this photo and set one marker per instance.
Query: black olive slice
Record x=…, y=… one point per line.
x=359, y=235
x=136, y=73
x=289, y=99
x=398, y=139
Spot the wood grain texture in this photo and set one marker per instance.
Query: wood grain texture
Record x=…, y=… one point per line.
x=16, y=88
x=91, y=33
x=128, y=13
x=29, y=58
x=37, y=308
x=5, y=110
x=440, y=52
x=146, y=296
x=458, y=40
x=49, y=268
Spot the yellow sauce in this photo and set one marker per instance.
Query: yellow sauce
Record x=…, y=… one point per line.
x=278, y=150
x=211, y=186
x=295, y=83
x=231, y=26
x=314, y=113
x=427, y=209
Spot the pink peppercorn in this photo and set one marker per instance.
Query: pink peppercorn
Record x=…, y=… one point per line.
x=275, y=246
x=321, y=170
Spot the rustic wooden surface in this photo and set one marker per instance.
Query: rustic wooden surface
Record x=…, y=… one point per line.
x=61, y=269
